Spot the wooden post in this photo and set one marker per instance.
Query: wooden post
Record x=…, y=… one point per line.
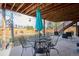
x=3, y=29
x=44, y=28
x=0, y=5
x=63, y=27
x=77, y=29
x=12, y=30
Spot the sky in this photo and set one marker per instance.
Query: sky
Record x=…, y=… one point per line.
x=24, y=20
x=19, y=19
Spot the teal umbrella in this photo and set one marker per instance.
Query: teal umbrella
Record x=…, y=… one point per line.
x=39, y=24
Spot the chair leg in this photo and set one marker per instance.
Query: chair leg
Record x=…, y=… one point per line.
x=22, y=51
x=32, y=51
x=56, y=50
x=47, y=53
x=34, y=54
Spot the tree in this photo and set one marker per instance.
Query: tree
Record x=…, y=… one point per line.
x=50, y=25
x=30, y=27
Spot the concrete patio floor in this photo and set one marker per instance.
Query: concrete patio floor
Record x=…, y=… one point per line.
x=66, y=47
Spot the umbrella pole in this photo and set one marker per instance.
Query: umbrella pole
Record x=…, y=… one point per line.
x=39, y=34
x=44, y=28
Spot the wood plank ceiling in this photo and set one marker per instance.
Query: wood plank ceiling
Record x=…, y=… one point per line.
x=50, y=11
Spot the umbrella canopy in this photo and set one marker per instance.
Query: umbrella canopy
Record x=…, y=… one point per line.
x=39, y=24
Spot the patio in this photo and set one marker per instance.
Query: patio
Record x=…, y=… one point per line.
x=66, y=47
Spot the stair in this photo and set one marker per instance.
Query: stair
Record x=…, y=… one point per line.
x=65, y=25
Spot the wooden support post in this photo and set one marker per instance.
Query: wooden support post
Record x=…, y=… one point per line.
x=77, y=29
x=44, y=28
x=3, y=29
x=63, y=27
x=12, y=30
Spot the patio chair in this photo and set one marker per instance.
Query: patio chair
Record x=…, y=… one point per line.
x=15, y=41
x=69, y=34
x=23, y=41
x=53, y=43
x=64, y=35
x=77, y=44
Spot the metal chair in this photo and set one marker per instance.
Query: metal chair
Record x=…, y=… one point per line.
x=23, y=41
x=53, y=43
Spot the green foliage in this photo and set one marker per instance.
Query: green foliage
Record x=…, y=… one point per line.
x=52, y=25
x=49, y=27
x=30, y=27
x=56, y=24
